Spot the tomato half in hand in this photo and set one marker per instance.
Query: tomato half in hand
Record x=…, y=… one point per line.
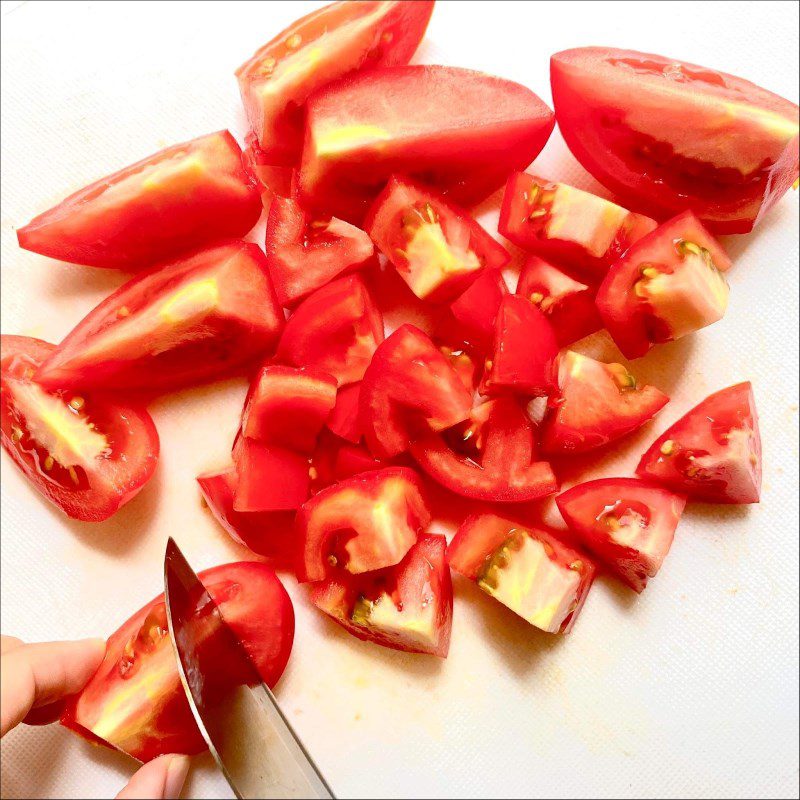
x=668, y=285
x=174, y=202
x=526, y=569
x=730, y=156
x=269, y=477
x=88, y=455
x=626, y=523
x=135, y=702
x=712, y=453
x=407, y=607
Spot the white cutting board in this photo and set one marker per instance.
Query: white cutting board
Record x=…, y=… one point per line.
x=689, y=690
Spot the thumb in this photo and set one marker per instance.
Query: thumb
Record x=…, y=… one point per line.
x=163, y=777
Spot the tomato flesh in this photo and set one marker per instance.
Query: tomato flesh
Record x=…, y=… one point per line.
x=344, y=419
x=271, y=180
x=269, y=477
x=475, y=310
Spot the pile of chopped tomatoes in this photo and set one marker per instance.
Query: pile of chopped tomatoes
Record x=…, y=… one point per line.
x=365, y=165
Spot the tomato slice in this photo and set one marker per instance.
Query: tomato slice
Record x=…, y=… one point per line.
x=570, y=226
x=408, y=607
x=304, y=254
x=135, y=701
x=626, y=523
x=567, y=303
x=185, y=197
x=712, y=453
x=409, y=390
x=271, y=180
x=525, y=351
x=454, y=129
x=475, y=310
x=436, y=246
x=195, y=319
x=269, y=477
x=527, y=569
x=365, y=523
x=344, y=420
x=668, y=285
x=327, y=44
x=596, y=404
x=491, y=457
x=88, y=455
x=732, y=155
x=337, y=329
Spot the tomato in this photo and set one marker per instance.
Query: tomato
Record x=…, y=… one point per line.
x=88, y=455
x=454, y=129
x=365, y=523
x=567, y=303
x=436, y=246
x=666, y=286
x=570, y=226
x=269, y=477
x=333, y=41
x=475, y=310
x=730, y=156
x=712, y=453
x=337, y=329
x=491, y=457
x=336, y=459
x=304, y=254
x=408, y=607
x=408, y=390
x=271, y=180
x=344, y=420
x=596, y=404
x=185, y=197
x=287, y=406
x=135, y=702
x=353, y=459
x=464, y=363
x=192, y=320
x=525, y=350
x=627, y=523
x=526, y=569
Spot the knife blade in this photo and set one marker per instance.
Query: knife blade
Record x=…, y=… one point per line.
x=249, y=737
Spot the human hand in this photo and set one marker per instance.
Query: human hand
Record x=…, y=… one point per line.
x=35, y=680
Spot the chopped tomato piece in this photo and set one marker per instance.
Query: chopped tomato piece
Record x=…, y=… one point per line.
x=365, y=523
x=352, y=459
x=336, y=459
x=436, y=246
x=475, y=310
x=596, y=403
x=407, y=607
x=183, y=198
x=712, y=453
x=409, y=389
x=626, y=523
x=269, y=477
x=526, y=569
x=344, y=420
x=272, y=180
x=464, y=365
x=668, y=285
x=454, y=129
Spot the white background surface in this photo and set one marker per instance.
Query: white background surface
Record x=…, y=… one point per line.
x=689, y=690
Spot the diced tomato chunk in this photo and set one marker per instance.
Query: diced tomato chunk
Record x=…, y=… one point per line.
x=475, y=310
x=269, y=477
x=344, y=420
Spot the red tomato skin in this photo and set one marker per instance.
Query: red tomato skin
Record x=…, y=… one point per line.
x=677, y=459
x=475, y=310
x=601, y=95
x=216, y=201
x=257, y=608
x=135, y=442
x=344, y=420
x=269, y=477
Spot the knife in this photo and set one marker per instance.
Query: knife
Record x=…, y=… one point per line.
x=249, y=737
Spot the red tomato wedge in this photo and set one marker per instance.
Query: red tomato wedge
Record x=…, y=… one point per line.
x=712, y=453
x=457, y=130
x=408, y=607
x=344, y=420
x=525, y=351
x=464, y=364
x=269, y=477
x=173, y=202
x=730, y=156
x=492, y=457
x=567, y=303
x=271, y=180
x=88, y=455
x=365, y=523
x=192, y=320
x=135, y=701
x=336, y=459
x=596, y=404
x=573, y=227
x=337, y=329
x=626, y=523
x=409, y=390
x=475, y=310
x=526, y=569
x=668, y=285
x=436, y=246
x=327, y=44
x=304, y=254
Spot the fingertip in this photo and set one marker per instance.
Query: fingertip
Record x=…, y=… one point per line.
x=176, y=776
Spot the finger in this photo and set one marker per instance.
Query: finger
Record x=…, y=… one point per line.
x=44, y=715
x=38, y=674
x=9, y=643
x=162, y=777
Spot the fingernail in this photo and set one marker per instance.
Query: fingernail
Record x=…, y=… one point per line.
x=176, y=776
